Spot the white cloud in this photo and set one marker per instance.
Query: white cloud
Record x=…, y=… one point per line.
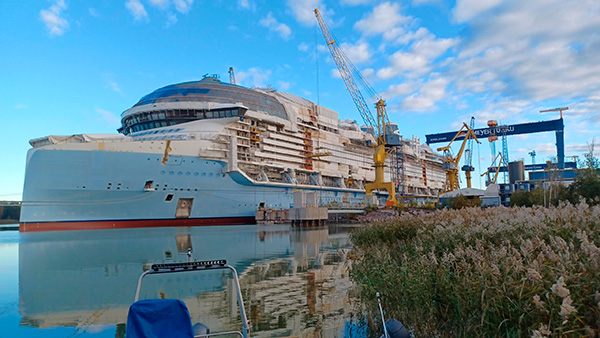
x=518, y=49
x=93, y=12
x=587, y=110
x=465, y=10
x=503, y=109
x=423, y=2
x=107, y=116
x=431, y=47
x=357, y=53
x=137, y=9
x=52, y=17
x=368, y=74
x=304, y=11
x=162, y=4
x=384, y=19
x=429, y=94
x=183, y=6
x=355, y=2
x=303, y=47
x=398, y=90
x=171, y=19
x=273, y=25
x=253, y=77
x=283, y=86
x=114, y=86
x=419, y=60
x=247, y=4
x=401, y=63
x=335, y=73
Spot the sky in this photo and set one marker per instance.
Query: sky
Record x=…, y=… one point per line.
x=70, y=67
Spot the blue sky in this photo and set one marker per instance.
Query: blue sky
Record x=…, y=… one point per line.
x=70, y=67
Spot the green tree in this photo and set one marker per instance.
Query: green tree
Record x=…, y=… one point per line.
x=587, y=183
x=586, y=186
x=460, y=201
x=521, y=198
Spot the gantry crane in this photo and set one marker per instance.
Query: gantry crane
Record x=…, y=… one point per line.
x=451, y=163
x=468, y=166
x=490, y=181
x=379, y=125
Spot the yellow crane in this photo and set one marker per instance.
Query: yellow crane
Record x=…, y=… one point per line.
x=490, y=181
x=451, y=162
x=231, y=76
x=346, y=69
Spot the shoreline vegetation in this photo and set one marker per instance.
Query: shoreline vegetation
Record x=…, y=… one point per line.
x=472, y=272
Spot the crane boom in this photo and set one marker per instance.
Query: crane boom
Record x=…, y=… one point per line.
x=450, y=162
x=231, y=76
x=342, y=62
x=493, y=181
x=378, y=125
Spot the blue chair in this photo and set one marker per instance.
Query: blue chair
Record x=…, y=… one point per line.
x=158, y=318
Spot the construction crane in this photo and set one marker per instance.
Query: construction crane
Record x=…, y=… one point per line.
x=532, y=154
x=490, y=181
x=503, y=129
x=468, y=167
x=231, y=76
x=379, y=125
x=451, y=162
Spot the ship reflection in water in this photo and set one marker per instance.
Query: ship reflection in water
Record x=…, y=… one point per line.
x=294, y=281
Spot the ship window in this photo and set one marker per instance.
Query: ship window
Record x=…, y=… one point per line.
x=148, y=186
x=169, y=198
x=229, y=113
x=209, y=115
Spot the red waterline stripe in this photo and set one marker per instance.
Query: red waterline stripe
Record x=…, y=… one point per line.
x=96, y=225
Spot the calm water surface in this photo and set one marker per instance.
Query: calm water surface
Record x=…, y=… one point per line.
x=81, y=283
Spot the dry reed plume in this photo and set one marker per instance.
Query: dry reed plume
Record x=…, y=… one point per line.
x=513, y=272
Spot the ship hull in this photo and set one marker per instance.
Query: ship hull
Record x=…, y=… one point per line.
x=96, y=189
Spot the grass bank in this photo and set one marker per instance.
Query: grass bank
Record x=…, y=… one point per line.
x=514, y=272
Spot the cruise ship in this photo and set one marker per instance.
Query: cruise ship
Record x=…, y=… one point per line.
x=210, y=153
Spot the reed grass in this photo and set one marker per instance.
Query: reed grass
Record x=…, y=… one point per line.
x=510, y=272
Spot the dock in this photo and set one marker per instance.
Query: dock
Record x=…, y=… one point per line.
x=305, y=212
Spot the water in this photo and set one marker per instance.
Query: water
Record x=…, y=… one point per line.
x=80, y=284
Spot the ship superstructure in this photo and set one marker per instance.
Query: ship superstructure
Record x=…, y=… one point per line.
x=208, y=152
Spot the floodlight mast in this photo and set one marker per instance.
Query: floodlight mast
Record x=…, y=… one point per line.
x=378, y=125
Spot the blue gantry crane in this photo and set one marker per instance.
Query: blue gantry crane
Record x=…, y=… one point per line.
x=516, y=129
